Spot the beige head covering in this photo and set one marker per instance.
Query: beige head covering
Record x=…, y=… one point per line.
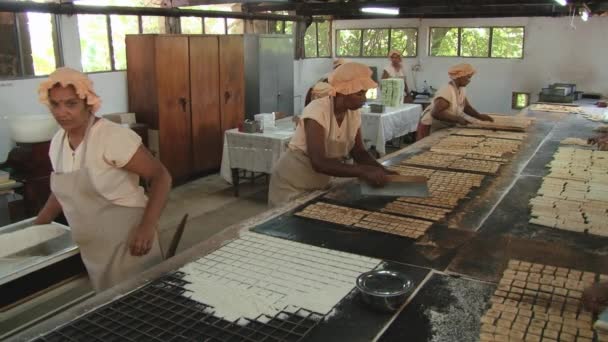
x=80, y=82
x=351, y=78
x=394, y=52
x=338, y=62
x=461, y=70
x=320, y=90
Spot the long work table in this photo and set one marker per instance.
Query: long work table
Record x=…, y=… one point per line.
x=466, y=267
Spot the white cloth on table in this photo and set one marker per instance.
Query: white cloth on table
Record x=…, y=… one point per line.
x=378, y=128
x=257, y=152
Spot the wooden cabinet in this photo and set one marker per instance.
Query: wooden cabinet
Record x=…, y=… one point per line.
x=190, y=89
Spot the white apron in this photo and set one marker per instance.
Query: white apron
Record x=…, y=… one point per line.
x=100, y=228
x=294, y=174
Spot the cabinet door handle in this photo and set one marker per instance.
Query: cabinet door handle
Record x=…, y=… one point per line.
x=226, y=97
x=183, y=102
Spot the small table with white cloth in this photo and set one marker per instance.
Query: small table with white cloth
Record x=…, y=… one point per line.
x=378, y=128
x=254, y=152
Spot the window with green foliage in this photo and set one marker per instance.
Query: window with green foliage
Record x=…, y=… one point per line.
x=376, y=42
x=317, y=41
x=27, y=44
x=121, y=26
x=153, y=25
x=94, y=43
x=235, y=26
x=215, y=26
x=493, y=42
x=507, y=42
x=475, y=42
x=444, y=41
x=191, y=25
x=520, y=100
x=289, y=27
x=348, y=43
x=404, y=41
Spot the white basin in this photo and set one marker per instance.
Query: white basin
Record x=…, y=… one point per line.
x=32, y=128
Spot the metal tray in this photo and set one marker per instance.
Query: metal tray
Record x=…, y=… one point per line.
x=36, y=257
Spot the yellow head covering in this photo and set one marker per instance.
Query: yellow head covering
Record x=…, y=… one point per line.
x=351, y=78
x=67, y=76
x=461, y=70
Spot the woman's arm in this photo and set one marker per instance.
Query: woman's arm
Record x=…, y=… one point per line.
x=468, y=109
x=50, y=211
x=315, y=145
x=153, y=171
x=385, y=75
x=440, y=112
x=362, y=157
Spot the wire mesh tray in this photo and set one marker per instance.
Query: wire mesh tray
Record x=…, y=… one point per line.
x=161, y=311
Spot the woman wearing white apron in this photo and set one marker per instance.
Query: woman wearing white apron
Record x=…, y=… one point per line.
x=396, y=70
x=450, y=104
x=328, y=133
x=97, y=165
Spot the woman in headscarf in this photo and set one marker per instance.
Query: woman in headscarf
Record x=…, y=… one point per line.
x=450, y=103
x=97, y=166
x=395, y=69
x=309, y=94
x=329, y=132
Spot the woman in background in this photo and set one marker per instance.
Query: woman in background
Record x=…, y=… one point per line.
x=395, y=69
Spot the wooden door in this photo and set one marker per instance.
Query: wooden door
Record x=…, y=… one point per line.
x=205, y=95
x=173, y=91
x=141, y=79
x=232, y=81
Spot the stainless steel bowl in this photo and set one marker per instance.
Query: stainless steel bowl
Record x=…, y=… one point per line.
x=384, y=290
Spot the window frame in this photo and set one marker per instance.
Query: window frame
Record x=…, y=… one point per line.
x=329, y=42
x=361, y=39
x=57, y=48
x=490, y=40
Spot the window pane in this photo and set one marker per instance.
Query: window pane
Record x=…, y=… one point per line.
x=95, y=51
x=153, y=24
x=310, y=41
x=324, y=39
x=121, y=26
x=444, y=41
x=276, y=27
x=236, y=26
x=375, y=42
x=475, y=42
x=508, y=42
x=405, y=41
x=348, y=43
x=40, y=28
x=289, y=27
x=191, y=25
x=215, y=26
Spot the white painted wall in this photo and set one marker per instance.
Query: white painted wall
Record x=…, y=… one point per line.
x=553, y=52
x=306, y=73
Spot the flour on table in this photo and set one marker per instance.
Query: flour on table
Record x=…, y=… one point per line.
x=262, y=275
